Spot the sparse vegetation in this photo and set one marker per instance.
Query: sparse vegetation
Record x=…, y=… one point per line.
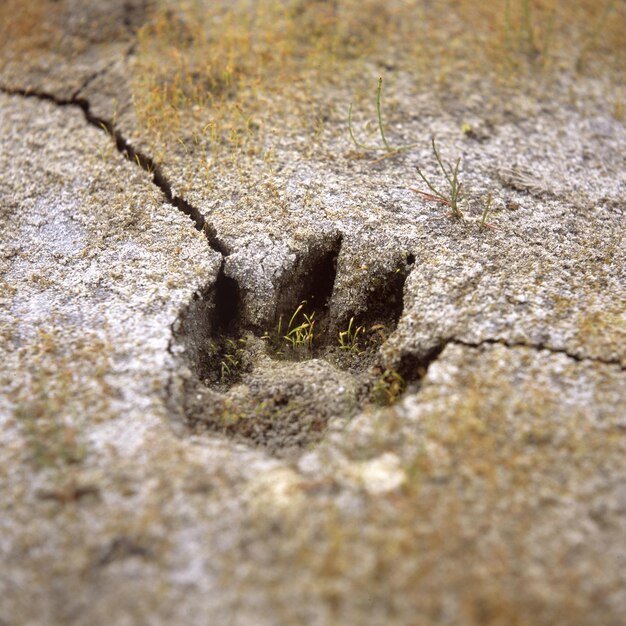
x=232, y=360
x=524, y=36
x=349, y=338
x=389, y=149
x=487, y=210
x=454, y=187
x=297, y=339
x=221, y=90
x=299, y=336
x=599, y=27
x=269, y=71
x=388, y=388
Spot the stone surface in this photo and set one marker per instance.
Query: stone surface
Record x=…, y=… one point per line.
x=168, y=454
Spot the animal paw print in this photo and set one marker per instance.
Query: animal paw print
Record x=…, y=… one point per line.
x=317, y=358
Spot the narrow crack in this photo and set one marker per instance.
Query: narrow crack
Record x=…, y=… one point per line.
x=131, y=154
x=75, y=96
x=413, y=367
x=530, y=346
x=158, y=178
x=86, y=83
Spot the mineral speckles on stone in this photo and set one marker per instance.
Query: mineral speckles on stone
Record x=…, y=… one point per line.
x=491, y=492
x=94, y=277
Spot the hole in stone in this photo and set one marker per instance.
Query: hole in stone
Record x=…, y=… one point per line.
x=204, y=325
x=280, y=387
x=311, y=283
x=412, y=367
x=227, y=299
x=388, y=385
x=385, y=302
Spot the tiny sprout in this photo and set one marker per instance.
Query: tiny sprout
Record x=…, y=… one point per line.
x=388, y=388
x=455, y=187
x=487, y=210
x=386, y=147
x=349, y=338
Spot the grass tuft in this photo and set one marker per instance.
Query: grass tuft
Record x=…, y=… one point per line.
x=388, y=388
x=389, y=149
x=599, y=27
x=454, y=187
x=297, y=339
x=349, y=338
x=300, y=336
x=487, y=210
x=233, y=360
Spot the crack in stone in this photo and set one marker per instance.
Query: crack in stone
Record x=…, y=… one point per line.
x=86, y=83
x=521, y=344
x=414, y=368
x=131, y=154
x=129, y=10
x=408, y=362
x=129, y=52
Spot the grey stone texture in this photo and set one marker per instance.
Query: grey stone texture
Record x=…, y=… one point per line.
x=168, y=456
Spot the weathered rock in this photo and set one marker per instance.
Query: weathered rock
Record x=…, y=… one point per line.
x=166, y=456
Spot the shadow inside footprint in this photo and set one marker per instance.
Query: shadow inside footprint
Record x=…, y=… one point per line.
x=280, y=387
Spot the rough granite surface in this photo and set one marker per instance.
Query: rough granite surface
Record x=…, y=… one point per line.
x=166, y=457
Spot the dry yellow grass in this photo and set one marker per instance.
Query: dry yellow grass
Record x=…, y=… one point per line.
x=24, y=26
x=230, y=66
x=234, y=72
x=36, y=28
